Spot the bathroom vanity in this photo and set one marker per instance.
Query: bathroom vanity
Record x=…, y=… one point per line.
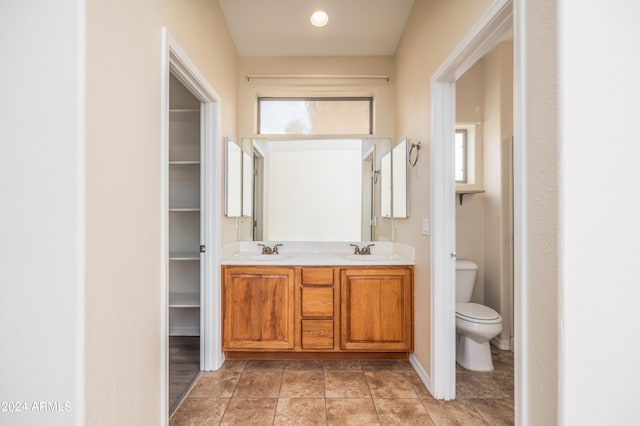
x=318, y=304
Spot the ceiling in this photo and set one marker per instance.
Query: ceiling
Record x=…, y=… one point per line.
x=282, y=27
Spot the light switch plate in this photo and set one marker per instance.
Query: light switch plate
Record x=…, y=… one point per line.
x=425, y=226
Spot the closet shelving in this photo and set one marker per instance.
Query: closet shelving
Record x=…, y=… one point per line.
x=184, y=221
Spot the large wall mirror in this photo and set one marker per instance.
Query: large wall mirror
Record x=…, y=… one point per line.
x=318, y=190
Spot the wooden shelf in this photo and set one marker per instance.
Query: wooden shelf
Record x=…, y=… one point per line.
x=461, y=192
x=184, y=255
x=184, y=110
x=469, y=191
x=184, y=162
x=184, y=209
x=184, y=300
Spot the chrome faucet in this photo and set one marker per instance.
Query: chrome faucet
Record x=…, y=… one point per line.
x=270, y=250
x=363, y=250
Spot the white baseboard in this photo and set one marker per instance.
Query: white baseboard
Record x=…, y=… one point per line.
x=502, y=344
x=421, y=372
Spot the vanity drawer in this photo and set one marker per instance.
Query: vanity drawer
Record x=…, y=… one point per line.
x=317, y=301
x=317, y=276
x=317, y=334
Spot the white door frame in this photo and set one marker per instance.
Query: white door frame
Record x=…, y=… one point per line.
x=176, y=62
x=480, y=39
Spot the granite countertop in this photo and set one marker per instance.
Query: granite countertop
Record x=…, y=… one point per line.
x=296, y=253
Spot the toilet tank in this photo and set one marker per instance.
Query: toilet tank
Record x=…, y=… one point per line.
x=465, y=280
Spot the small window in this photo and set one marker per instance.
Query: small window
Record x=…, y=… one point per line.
x=461, y=155
x=315, y=116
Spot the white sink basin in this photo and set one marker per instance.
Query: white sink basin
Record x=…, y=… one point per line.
x=370, y=257
x=261, y=257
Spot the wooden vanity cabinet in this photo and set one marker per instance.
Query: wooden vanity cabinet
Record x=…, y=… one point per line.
x=258, y=308
x=322, y=309
x=376, y=307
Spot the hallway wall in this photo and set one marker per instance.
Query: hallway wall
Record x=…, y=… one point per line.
x=42, y=215
x=538, y=19
x=470, y=232
x=433, y=30
x=598, y=209
x=497, y=126
x=123, y=310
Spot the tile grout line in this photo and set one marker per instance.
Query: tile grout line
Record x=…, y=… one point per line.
x=364, y=372
x=275, y=411
x=324, y=386
x=232, y=393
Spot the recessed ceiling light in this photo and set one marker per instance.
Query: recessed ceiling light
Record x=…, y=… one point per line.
x=319, y=18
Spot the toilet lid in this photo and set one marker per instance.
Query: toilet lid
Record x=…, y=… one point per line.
x=476, y=312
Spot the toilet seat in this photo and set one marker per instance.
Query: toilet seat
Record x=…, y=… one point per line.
x=477, y=313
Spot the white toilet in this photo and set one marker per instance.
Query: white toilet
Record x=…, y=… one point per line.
x=476, y=324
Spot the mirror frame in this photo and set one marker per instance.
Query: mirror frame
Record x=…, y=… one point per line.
x=246, y=148
x=400, y=179
x=232, y=181
x=395, y=176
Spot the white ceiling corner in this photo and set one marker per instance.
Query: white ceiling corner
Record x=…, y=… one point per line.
x=282, y=27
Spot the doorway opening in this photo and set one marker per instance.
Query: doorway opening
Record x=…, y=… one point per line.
x=483, y=221
x=190, y=226
x=185, y=237
x=482, y=38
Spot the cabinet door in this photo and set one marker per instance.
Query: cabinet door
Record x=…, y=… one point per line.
x=376, y=309
x=258, y=308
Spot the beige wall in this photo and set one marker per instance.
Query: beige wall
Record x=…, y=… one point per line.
x=497, y=126
x=382, y=91
x=433, y=30
x=201, y=30
x=123, y=312
x=123, y=204
x=540, y=300
x=470, y=232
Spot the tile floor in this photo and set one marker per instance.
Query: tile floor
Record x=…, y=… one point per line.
x=184, y=366
x=312, y=392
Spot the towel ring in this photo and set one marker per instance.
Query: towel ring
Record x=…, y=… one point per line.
x=415, y=146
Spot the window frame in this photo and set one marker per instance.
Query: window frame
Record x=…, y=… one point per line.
x=312, y=98
x=465, y=156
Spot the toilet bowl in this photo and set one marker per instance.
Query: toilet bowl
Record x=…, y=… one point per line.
x=476, y=324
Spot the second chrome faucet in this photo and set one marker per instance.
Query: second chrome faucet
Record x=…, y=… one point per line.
x=362, y=250
x=270, y=250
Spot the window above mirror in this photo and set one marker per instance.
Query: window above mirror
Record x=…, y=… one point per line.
x=315, y=116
